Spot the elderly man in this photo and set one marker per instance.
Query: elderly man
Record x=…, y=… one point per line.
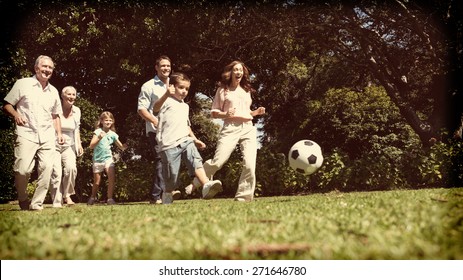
x=35, y=106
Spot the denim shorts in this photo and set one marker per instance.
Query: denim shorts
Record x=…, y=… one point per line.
x=172, y=159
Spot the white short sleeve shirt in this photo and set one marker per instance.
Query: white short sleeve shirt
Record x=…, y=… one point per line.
x=36, y=105
x=174, y=123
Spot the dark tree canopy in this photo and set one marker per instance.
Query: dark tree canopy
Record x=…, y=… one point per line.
x=296, y=50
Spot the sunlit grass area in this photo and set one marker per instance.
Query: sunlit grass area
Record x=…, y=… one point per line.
x=412, y=224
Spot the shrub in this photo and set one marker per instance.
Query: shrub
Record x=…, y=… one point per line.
x=7, y=188
x=442, y=165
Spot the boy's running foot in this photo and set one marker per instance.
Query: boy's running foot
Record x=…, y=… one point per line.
x=211, y=188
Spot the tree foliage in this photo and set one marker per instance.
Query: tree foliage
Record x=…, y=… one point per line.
x=318, y=68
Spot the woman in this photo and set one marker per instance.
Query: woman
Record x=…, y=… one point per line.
x=232, y=103
x=63, y=183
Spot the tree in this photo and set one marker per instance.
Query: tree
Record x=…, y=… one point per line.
x=366, y=42
x=404, y=46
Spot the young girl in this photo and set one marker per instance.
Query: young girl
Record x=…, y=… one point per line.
x=103, y=137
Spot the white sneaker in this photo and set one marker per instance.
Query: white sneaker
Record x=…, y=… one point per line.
x=211, y=188
x=111, y=201
x=189, y=189
x=36, y=207
x=167, y=198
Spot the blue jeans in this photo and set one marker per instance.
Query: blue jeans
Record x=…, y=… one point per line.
x=172, y=159
x=158, y=182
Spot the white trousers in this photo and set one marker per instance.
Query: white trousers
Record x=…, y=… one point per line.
x=64, y=174
x=26, y=153
x=245, y=135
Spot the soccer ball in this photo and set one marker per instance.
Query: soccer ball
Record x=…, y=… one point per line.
x=305, y=157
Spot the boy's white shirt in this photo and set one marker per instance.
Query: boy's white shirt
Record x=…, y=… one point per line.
x=174, y=123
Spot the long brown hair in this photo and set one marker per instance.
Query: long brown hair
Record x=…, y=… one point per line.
x=245, y=82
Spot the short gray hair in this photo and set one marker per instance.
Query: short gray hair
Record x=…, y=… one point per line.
x=37, y=61
x=67, y=88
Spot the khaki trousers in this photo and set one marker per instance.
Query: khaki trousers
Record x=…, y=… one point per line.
x=64, y=174
x=26, y=152
x=245, y=135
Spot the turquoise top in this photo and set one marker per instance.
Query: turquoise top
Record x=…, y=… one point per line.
x=102, y=151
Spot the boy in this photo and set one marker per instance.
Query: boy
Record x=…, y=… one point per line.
x=177, y=141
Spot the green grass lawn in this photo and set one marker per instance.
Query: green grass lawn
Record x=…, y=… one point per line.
x=412, y=224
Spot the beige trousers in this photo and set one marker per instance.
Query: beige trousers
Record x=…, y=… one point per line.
x=64, y=174
x=26, y=153
x=232, y=134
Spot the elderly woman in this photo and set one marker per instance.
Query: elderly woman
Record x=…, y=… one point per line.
x=65, y=168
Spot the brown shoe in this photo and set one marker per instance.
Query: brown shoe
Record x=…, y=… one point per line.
x=176, y=195
x=24, y=205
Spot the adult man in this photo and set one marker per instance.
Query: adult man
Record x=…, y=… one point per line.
x=35, y=106
x=150, y=92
